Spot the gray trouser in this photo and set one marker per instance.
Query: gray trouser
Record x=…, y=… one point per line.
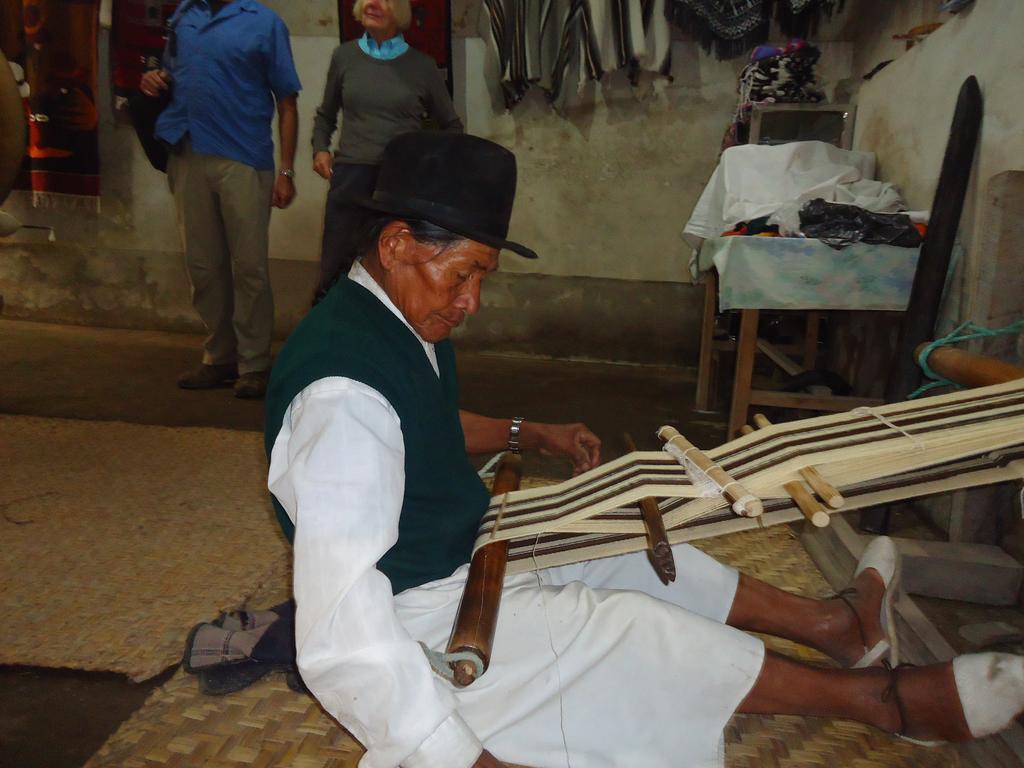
x=224, y=216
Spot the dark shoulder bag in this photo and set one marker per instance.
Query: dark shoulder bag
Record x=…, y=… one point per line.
x=145, y=110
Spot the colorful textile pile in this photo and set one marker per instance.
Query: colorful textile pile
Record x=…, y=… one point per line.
x=560, y=41
x=732, y=27
x=430, y=31
x=52, y=45
x=774, y=75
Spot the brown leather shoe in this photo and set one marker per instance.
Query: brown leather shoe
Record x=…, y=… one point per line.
x=208, y=376
x=251, y=385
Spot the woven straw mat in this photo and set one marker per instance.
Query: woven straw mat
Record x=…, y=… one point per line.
x=269, y=726
x=117, y=538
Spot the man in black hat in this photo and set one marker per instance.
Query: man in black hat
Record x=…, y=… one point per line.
x=594, y=664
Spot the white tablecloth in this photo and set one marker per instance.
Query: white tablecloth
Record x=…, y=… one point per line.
x=798, y=273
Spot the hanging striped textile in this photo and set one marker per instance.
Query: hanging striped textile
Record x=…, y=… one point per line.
x=871, y=456
x=552, y=42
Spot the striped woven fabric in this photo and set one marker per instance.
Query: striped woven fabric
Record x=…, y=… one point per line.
x=551, y=42
x=872, y=456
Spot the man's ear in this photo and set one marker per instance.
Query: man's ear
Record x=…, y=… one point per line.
x=393, y=245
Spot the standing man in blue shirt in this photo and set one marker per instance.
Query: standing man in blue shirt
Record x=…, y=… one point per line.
x=227, y=63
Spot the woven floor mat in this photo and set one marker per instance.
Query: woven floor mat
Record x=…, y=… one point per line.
x=270, y=726
x=117, y=538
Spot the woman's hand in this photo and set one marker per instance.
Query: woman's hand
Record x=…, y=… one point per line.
x=323, y=163
x=487, y=760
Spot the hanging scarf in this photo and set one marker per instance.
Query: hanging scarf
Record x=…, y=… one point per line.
x=52, y=44
x=733, y=27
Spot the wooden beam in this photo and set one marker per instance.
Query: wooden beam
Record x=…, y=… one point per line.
x=811, y=326
x=707, y=342
x=968, y=369
x=809, y=402
x=741, y=385
x=780, y=358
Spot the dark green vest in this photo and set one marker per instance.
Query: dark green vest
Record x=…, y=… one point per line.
x=352, y=334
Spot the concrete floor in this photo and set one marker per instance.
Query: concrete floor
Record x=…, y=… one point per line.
x=58, y=718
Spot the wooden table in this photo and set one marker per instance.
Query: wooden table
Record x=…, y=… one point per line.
x=797, y=275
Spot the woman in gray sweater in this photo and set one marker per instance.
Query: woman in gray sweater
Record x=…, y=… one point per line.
x=383, y=88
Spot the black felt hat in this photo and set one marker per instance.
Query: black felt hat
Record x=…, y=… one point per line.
x=462, y=183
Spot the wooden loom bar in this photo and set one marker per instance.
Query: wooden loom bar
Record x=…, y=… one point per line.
x=990, y=420
x=809, y=505
x=478, y=612
x=822, y=487
x=659, y=551
x=969, y=369
x=976, y=409
x=742, y=501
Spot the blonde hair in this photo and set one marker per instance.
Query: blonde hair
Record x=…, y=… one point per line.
x=400, y=9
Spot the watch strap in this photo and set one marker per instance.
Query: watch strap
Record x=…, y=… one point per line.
x=513, y=434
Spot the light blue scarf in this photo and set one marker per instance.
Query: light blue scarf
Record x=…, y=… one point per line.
x=391, y=48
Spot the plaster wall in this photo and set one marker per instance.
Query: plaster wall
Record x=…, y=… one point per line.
x=605, y=188
x=904, y=115
x=872, y=24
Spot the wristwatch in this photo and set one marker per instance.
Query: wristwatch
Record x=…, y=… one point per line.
x=289, y=172
x=513, y=434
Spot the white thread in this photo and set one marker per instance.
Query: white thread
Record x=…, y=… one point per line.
x=487, y=470
x=442, y=663
x=551, y=643
x=862, y=410
x=501, y=514
x=702, y=481
x=1022, y=501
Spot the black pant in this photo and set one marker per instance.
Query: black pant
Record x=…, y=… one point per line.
x=344, y=220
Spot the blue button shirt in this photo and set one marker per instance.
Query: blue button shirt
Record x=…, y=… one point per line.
x=228, y=70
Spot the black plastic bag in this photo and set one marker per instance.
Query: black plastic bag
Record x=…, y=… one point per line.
x=841, y=225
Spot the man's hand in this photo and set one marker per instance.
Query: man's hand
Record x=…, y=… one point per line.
x=574, y=441
x=323, y=164
x=487, y=760
x=154, y=81
x=284, y=191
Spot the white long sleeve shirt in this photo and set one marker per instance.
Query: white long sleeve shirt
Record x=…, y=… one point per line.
x=337, y=467
x=580, y=651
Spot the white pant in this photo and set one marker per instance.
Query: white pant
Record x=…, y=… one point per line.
x=602, y=663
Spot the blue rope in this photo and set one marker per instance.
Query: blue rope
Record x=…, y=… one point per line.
x=963, y=332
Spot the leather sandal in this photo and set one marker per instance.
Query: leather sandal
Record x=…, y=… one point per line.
x=882, y=555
